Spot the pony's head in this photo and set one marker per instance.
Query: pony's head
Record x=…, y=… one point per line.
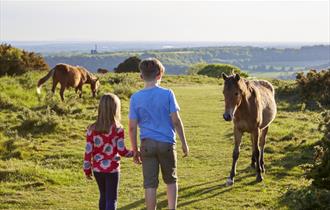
x=95, y=84
x=233, y=93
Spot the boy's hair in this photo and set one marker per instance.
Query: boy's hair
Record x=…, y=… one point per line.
x=108, y=113
x=150, y=68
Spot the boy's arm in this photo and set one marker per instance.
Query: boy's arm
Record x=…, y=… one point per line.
x=177, y=122
x=133, y=137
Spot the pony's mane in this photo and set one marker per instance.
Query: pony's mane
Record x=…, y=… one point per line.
x=89, y=74
x=248, y=87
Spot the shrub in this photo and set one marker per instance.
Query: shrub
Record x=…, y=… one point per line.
x=6, y=102
x=314, y=87
x=308, y=198
x=320, y=173
x=131, y=64
x=36, y=122
x=14, y=61
x=8, y=148
x=215, y=70
x=195, y=68
x=123, y=91
x=102, y=71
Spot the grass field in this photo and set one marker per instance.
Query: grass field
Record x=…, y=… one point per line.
x=42, y=145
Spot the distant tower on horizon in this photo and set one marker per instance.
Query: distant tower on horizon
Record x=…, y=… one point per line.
x=95, y=50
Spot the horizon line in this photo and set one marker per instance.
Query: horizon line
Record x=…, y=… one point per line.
x=177, y=41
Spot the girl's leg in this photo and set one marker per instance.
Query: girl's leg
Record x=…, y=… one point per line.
x=101, y=183
x=112, y=180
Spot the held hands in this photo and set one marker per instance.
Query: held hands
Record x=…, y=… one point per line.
x=89, y=177
x=137, y=157
x=185, y=149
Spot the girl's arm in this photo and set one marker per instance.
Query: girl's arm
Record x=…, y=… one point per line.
x=133, y=136
x=122, y=150
x=88, y=153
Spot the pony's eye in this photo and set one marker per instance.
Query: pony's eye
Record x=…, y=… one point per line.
x=236, y=94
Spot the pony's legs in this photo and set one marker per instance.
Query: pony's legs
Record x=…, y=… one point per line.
x=80, y=90
x=54, y=85
x=253, y=156
x=262, y=143
x=256, y=136
x=62, y=92
x=238, y=136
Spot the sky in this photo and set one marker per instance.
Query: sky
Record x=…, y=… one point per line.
x=218, y=21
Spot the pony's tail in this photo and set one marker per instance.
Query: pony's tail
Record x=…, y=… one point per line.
x=44, y=79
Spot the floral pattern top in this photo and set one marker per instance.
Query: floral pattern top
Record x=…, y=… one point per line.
x=103, y=150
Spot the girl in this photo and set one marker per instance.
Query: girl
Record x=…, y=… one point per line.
x=105, y=140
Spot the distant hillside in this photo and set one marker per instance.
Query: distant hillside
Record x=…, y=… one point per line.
x=177, y=61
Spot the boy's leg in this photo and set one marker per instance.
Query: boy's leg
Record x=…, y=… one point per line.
x=167, y=159
x=100, y=180
x=150, y=196
x=111, y=183
x=150, y=168
x=172, y=195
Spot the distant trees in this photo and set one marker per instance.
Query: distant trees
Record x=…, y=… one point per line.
x=131, y=64
x=177, y=61
x=215, y=70
x=14, y=61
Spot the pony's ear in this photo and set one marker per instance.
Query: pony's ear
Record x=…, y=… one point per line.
x=237, y=77
x=224, y=76
x=97, y=79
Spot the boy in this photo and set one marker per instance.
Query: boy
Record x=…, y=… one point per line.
x=156, y=111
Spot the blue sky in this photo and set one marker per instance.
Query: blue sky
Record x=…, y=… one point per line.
x=249, y=21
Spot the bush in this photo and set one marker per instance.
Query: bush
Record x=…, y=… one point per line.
x=314, y=87
x=320, y=173
x=37, y=122
x=14, y=61
x=195, y=68
x=131, y=64
x=8, y=148
x=216, y=70
x=308, y=198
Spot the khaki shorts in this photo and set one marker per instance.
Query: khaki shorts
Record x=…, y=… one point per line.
x=153, y=155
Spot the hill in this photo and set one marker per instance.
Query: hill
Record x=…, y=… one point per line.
x=42, y=145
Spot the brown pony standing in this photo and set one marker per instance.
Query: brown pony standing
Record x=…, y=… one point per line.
x=251, y=105
x=70, y=76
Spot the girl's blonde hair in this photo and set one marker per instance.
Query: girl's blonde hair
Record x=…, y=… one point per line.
x=108, y=113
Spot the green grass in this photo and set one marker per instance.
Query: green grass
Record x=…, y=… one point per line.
x=42, y=145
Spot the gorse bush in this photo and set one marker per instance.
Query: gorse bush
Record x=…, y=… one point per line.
x=320, y=174
x=131, y=64
x=314, y=87
x=37, y=122
x=317, y=195
x=14, y=61
x=195, y=68
x=9, y=148
x=216, y=70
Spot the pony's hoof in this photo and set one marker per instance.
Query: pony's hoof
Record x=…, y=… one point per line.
x=259, y=178
x=263, y=169
x=229, y=182
x=253, y=165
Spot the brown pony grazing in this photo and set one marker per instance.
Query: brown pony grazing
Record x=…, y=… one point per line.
x=70, y=76
x=251, y=105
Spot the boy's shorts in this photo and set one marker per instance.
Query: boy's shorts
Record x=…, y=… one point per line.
x=153, y=155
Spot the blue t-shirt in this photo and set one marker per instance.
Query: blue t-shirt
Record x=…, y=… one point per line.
x=152, y=108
